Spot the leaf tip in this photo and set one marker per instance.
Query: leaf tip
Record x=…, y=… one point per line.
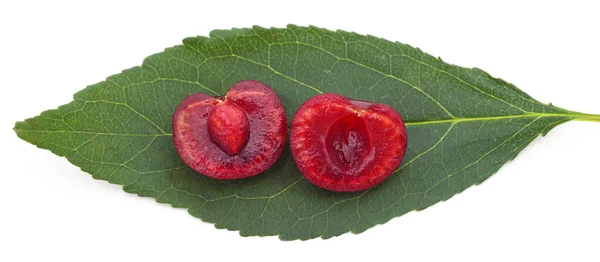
x=19, y=127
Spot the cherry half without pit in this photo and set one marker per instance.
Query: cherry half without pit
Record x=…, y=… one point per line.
x=235, y=136
x=346, y=145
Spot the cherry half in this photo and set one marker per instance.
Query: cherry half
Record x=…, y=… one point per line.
x=346, y=145
x=238, y=135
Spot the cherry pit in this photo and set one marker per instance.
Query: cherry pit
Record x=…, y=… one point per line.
x=338, y=144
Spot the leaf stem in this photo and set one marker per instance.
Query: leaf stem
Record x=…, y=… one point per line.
x=588, y=118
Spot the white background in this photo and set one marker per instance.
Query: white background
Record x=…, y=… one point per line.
x=542, y=206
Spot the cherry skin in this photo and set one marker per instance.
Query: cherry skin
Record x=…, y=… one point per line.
x=235, y=136
x=346, y=145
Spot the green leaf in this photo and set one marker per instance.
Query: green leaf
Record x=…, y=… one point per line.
x=463, y=125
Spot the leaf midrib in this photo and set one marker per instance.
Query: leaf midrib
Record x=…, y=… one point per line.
x=490, y=118
x=573, y=116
